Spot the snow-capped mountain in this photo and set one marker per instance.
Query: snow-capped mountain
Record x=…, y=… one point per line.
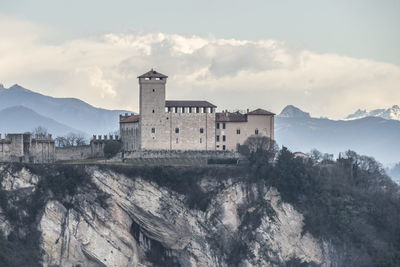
x=392, y=113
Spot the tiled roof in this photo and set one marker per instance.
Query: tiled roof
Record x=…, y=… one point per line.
x=230, y=117
x=133, y=118
x=260, y=111
x=188, y=103
x=153, y=74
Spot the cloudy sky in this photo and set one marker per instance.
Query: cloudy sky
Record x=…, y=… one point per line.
x=326, y=57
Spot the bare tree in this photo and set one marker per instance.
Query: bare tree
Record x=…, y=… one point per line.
x=70, y=140
x=40, y=130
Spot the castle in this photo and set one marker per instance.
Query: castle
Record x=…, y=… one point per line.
x=187, y=125
x=163, y=128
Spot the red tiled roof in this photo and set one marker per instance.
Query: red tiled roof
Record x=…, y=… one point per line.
x=188, y=103
x=260, y=111
x=230, y=117
x=153, y=74
x=133, y=118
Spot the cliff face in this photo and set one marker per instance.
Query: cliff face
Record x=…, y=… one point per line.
x=116, y=219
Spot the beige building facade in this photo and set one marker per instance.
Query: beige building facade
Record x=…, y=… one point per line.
x=233, y=128
x=186, y=125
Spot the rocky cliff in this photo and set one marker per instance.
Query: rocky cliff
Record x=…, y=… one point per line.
x=97, y=216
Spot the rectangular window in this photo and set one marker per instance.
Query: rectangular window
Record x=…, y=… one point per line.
x=223, y=125
x=183, y=109
x=201, y=130
x=190, y=109
x=153, y=130
x=197, y=110
x=204, y=110
x=223, y=147
x=256, y=131
x=201, y=140
x=176, y=130
x=211, y=110
x=237, y=131
x=217, y=125
x=217, y=138
x=169, y=109
x=177, y=140
x=223, y=138
x=176, y=109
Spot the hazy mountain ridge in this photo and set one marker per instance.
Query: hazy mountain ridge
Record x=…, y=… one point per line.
x=392, y=113
x=20, y=119
x=373, y=136
x=72, y=112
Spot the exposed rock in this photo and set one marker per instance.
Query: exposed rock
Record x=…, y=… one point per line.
x=144, y=224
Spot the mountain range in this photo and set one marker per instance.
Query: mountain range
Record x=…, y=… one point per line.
x=392, y=113
x=59, y=115
x=372, y=136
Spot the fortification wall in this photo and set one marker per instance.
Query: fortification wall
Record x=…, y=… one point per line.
x=180, y=154
x=42, y=151
x=73, y=153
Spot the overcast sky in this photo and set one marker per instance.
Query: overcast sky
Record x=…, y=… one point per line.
x=326, y=57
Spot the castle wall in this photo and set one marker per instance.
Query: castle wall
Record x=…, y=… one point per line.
x=42, y=151
x=129, y=136
x=73, y=153
x=189, y=136
x=199, y=154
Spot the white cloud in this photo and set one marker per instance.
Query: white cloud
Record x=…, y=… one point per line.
x=102, y=70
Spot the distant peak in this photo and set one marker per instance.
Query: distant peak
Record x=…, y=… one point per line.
x=1, y=87
x=395, y=107
x=17, y=87
x=291, y=111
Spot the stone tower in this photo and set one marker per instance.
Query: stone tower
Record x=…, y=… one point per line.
x=153, y=124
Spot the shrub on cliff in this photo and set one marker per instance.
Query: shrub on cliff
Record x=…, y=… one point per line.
x=111, y=148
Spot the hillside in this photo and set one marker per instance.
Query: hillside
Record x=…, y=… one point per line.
x=69, y=111
x=19, y=119
x=373, y=136
x=292, y=213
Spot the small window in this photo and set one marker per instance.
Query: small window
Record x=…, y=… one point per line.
x=190, y=109
x=223, y=138
x=153, y=130
x=176, y=109
x=154, y=90
x=237, y=131
x=153, y=110
x=169, y=109
x=211, y=110
x=217, y=138
x=256, y=131
x=204, y=110
x=217, y=146
x=183, y=109
x=201, y=140
x=217, y=125
x=197, y=110
x=223, y=125
x=176, y=130
x=223, y=147
x=201, y=130
x=177, y=140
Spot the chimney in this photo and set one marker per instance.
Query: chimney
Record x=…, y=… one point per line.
x=111, y=137
x=248, y=110
x=99, y=137
x=105, y=137
x=94, y=136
